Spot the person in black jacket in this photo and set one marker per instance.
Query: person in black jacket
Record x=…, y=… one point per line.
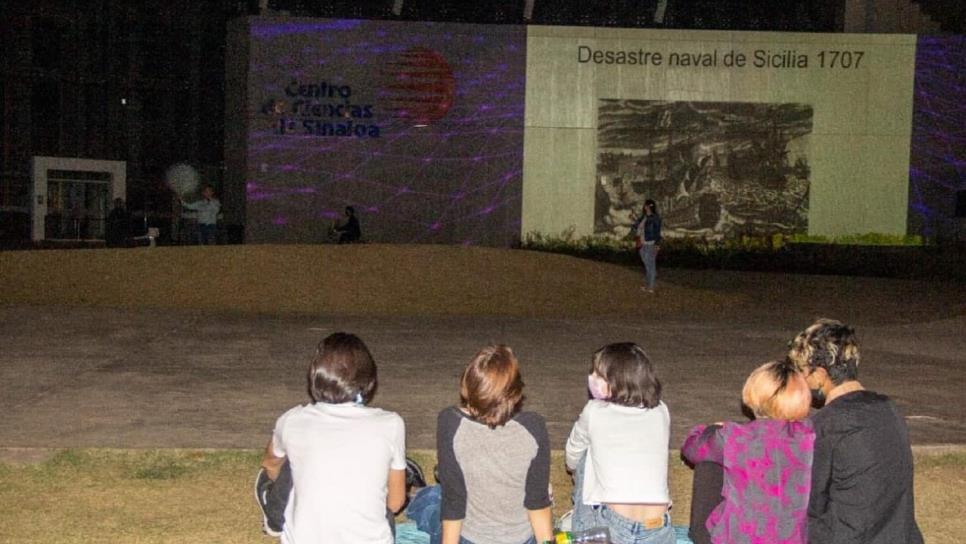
x=862, y=470
x=350, y=231
x=118, y=225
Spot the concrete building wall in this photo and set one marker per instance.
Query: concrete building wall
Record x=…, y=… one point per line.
x=887, y=17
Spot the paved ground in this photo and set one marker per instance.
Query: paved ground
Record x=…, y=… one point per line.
x=103, y=377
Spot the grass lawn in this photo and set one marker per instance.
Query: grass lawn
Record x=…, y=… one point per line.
x=190, y=496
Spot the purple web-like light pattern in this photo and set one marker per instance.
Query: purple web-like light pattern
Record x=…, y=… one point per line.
x=938, y=159
x=456, y=180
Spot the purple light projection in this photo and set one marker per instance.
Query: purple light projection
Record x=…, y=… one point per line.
x=938, y=162
x=419, y=126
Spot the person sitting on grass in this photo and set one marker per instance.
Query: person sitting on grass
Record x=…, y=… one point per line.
x=335, y=470
x=349, y=232
x=494, y=462
x=618, y=450
x=862, y=474
x=761, y=490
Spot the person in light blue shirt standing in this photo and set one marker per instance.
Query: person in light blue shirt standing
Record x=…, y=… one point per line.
x=208, y=209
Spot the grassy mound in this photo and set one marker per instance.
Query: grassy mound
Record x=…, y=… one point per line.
x=351, y=280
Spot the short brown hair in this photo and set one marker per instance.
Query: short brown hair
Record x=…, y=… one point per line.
x=777, y=390
x=629, y=374
x=342, y=370
x=491, y=388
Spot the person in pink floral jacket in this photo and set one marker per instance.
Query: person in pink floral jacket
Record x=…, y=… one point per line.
x=766, y=463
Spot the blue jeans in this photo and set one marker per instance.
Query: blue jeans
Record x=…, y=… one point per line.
x=622, y=530
x=424, y=510
x=648, y=253
x=209, y=234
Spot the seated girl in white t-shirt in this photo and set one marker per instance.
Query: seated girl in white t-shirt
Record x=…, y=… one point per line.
x=346, y=461
x=618, y=450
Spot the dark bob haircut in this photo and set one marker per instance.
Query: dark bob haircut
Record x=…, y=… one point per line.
x=491, y=389
x=342, y=370
x=629, y=374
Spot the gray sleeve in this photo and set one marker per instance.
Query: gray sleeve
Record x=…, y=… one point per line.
x=537, y=492
x=451, y=479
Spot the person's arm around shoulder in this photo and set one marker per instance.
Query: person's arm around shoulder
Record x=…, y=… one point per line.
x=704, y=443
x=537, y=492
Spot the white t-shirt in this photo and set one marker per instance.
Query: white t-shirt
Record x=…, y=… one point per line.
x=627, y=453
x=340, y=455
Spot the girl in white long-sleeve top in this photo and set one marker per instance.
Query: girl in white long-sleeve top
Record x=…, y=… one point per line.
x=618, y=450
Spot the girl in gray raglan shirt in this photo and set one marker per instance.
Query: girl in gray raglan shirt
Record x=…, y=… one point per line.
x=494, y=461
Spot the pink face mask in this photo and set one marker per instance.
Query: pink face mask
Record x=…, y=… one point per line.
x=597, y=386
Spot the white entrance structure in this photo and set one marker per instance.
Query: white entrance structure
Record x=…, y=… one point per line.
x=70, y=198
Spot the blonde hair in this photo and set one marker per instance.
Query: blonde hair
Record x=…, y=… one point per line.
x=777, y=390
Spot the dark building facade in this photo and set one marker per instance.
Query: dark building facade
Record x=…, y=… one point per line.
x=144, y=82
x=111, y=80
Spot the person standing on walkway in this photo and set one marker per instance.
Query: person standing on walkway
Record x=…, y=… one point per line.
x=118, y=225
x=208, y=209
x=648, y=229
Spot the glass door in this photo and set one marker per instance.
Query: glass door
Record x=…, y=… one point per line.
x=77, y=205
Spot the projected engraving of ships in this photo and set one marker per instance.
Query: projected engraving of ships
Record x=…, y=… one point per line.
x=716, y=169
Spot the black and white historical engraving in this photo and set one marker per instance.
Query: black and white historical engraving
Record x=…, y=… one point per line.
x=716, y=169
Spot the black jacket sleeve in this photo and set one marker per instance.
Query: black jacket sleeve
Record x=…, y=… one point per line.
x=451, y=479
x=537, y=490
